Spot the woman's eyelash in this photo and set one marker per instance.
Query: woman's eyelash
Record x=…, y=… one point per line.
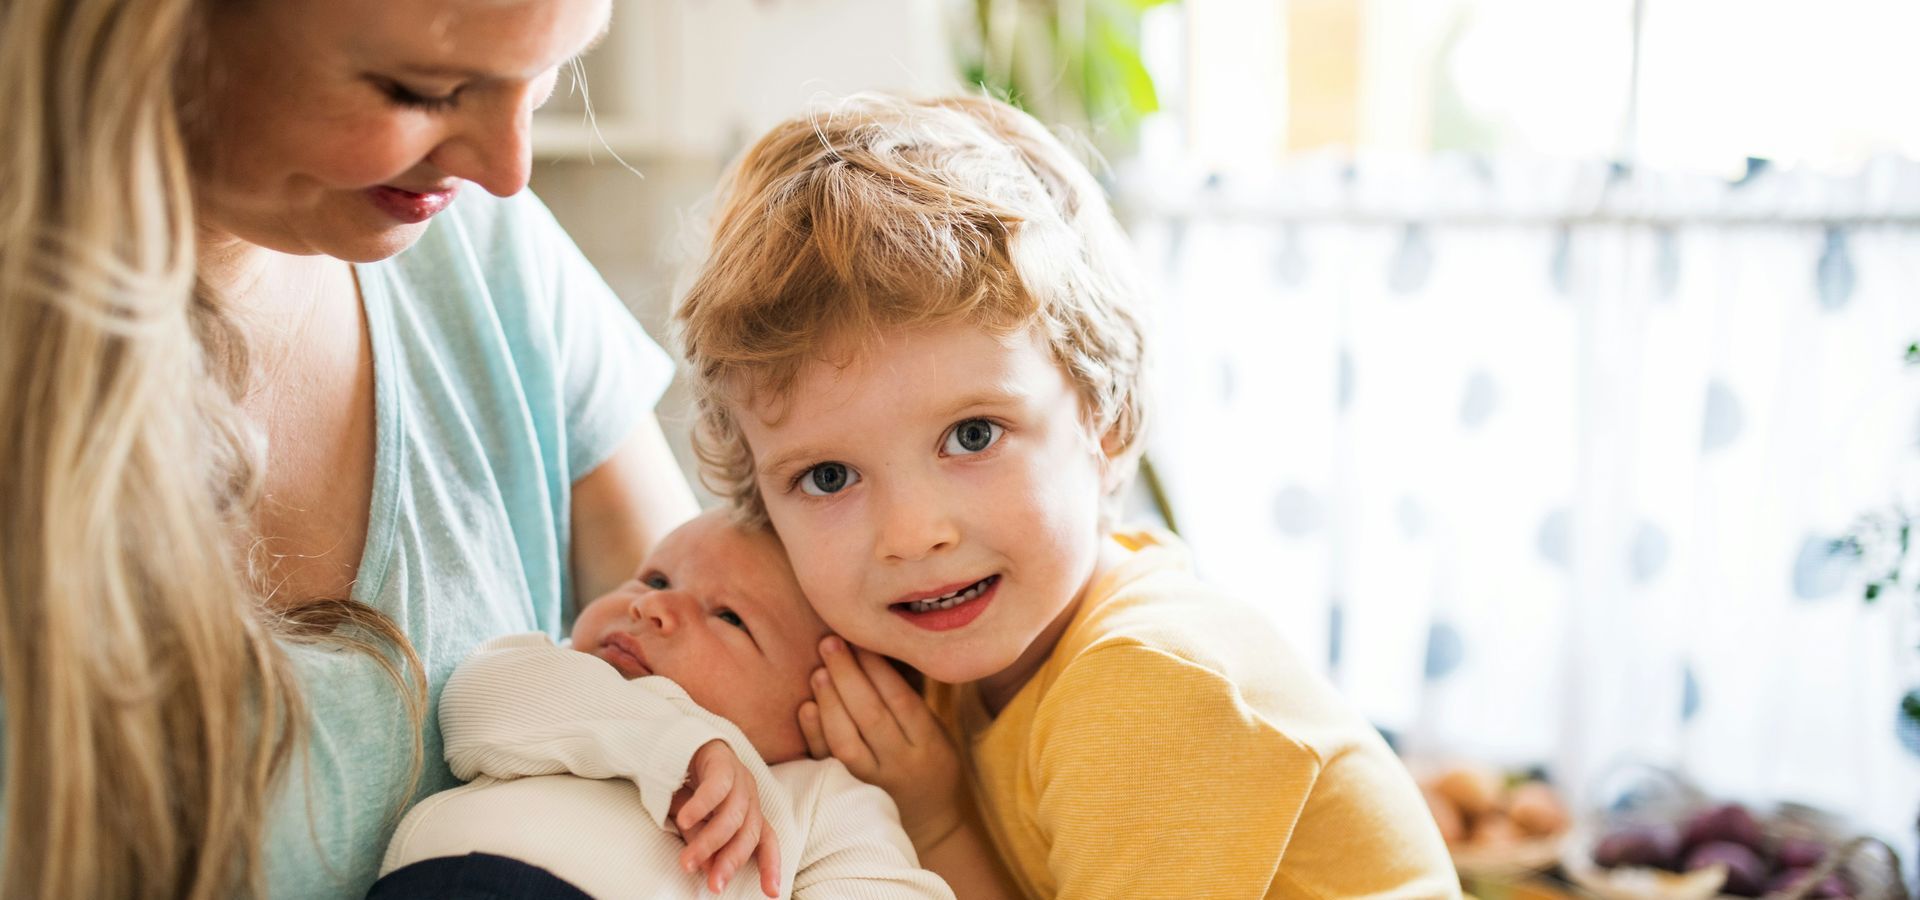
x=403, y=96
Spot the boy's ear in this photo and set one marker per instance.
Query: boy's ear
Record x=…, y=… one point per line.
x=1116, y=467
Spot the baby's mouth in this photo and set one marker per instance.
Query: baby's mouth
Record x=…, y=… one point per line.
x=621, y=651
x=952, y=600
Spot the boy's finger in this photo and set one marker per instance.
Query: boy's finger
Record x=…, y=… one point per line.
x=862, y=702
x=843, y=736
x=767, y=855
x=909, y=711
x=810, y=729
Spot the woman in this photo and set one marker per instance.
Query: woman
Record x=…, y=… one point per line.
x=292, y=415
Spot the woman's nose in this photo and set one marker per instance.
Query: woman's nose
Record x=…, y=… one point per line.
x=493, y=149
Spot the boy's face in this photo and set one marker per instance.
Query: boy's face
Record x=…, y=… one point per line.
x=943, y=462
x=716, y=609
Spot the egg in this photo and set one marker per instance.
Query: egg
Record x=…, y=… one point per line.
x=1537, y=809
x=1474, y=790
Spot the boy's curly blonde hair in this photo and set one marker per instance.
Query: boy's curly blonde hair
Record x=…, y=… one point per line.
x=876, y=213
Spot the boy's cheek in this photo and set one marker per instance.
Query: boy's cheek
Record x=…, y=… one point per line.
x=837, y=606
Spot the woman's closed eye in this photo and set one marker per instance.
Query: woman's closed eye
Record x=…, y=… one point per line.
x=401, y=95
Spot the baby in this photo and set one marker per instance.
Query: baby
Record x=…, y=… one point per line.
x=575, y=755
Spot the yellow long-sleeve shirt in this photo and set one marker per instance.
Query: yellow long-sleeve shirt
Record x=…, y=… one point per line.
x=1174, y=746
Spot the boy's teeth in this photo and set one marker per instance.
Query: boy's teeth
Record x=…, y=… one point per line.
x=951, y=600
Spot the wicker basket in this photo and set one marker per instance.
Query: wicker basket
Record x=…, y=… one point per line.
x=1509, y=862
x=1662, y=796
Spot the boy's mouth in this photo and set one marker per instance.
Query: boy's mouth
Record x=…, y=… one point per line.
x=622, y=652
x=952, y=609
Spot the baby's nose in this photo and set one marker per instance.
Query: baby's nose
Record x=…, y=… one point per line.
x=661, y=609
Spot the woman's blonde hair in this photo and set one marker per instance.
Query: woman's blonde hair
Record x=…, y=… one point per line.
x=149, y=709
x=878, y=212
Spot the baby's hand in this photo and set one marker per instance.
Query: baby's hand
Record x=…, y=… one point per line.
x=867, y=716
x=718, y=813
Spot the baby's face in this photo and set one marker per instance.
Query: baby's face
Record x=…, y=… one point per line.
x=717, y=610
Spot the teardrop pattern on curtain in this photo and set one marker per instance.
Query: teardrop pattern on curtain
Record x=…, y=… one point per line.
x=1446, y=649
x=1723, y=420
x=1834, y=274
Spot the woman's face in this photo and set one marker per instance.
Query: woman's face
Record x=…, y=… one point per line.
x=342, y=126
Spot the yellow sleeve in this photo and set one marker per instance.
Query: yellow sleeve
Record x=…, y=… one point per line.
x=1154, y=778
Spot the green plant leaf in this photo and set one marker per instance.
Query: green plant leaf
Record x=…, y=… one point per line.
x=1127, y=74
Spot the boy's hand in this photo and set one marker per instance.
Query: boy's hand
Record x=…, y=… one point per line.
x=867, y=716
x=719, y=817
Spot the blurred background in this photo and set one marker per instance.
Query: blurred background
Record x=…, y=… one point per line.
x=1546, y=369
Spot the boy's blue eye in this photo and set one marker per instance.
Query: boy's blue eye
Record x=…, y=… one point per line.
x=655, y=580
x=731, y=618
x=828, y=478
x=972, y=436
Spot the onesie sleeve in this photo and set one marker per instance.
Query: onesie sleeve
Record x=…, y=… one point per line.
x=520, y=705
x=1154, y=780
x=856, y=848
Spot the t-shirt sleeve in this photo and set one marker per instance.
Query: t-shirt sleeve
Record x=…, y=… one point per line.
x=611, y=374
x=1155, y=778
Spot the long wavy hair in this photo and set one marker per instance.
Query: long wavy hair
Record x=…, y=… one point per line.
x=150, y=707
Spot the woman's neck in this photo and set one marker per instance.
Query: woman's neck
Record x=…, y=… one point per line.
x=236, y=270
x=272, y=296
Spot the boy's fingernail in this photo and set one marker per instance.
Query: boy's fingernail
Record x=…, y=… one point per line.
x=820, y=677
x=833, y=645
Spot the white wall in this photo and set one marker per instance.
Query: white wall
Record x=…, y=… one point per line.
x=678, y=88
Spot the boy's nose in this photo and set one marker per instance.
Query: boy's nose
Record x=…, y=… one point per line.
x=917, y=525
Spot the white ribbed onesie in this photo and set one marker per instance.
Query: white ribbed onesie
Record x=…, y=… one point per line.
x=572, y=769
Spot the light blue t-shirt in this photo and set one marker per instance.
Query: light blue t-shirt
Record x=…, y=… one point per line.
x=504, y=370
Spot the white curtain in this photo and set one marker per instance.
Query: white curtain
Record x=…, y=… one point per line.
x=1544, y=460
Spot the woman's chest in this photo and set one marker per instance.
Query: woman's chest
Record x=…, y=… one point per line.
x=313, y=401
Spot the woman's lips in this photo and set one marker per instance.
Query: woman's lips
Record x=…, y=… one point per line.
x=621, y=651
x=410, y=207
